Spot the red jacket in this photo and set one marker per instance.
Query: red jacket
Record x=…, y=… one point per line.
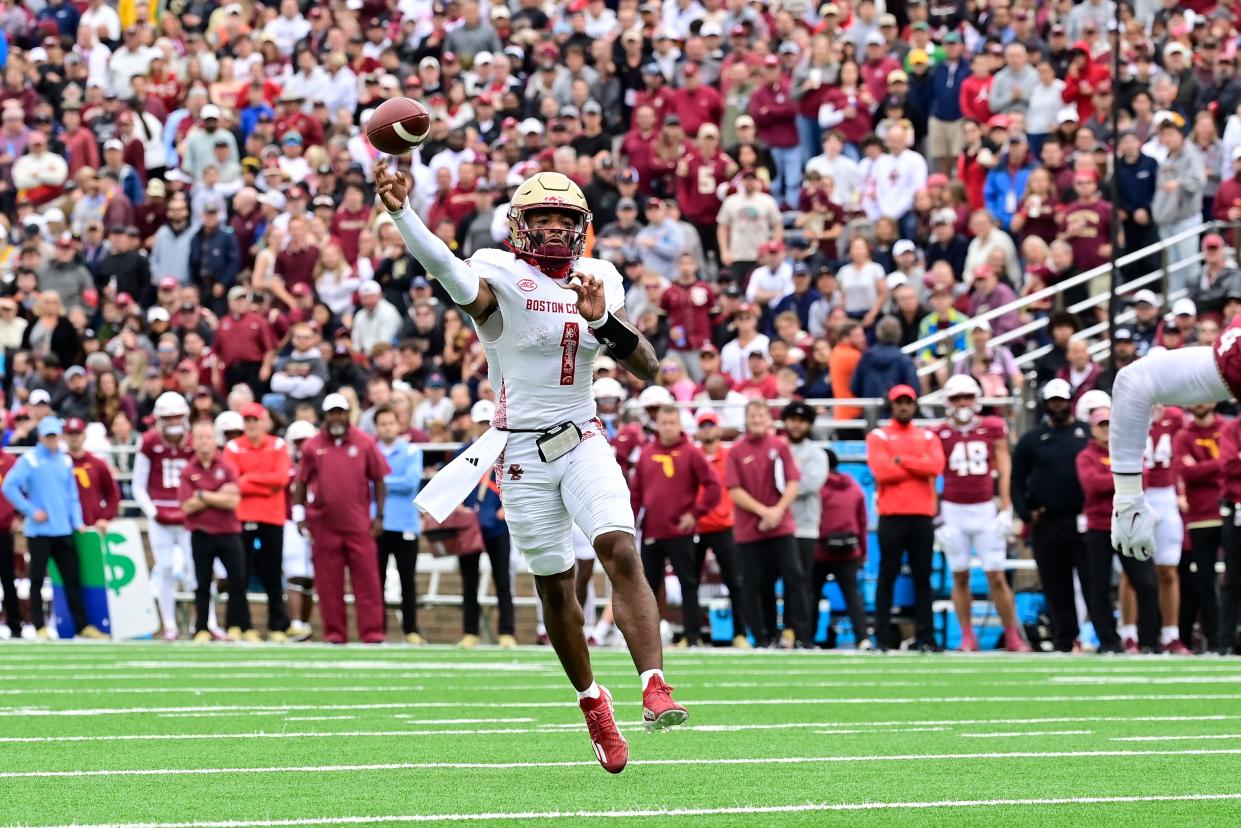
x=1201, y=478
x=975, y=99
x=775, y=114
x=1226, y=197
x=101, y=499
x=697, y=107
x=843, y=510
x=721, y=517
x=1079, y=89
x=1230, y=460
x=906, y=487
x=1094, y=472
x=262, y=476
x=668, y=482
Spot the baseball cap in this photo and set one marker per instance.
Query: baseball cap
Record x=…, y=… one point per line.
x=158, y=314
x=1184, y=307
x=335, y=402
x=899, y=391
x=798, y=410
x=626, y=204
x=482, y=411
x=1213, y=240
x=1100, y=415
x=75, y=371
x=50, y=425
x=436, y=381
x=75, y=425
x=113, y=144
x=944, y=215
x=253, y=410
x=530, y=127
x=707, y=415
x=1122, y=335
x=39, y=396
x=743, y=121
x=369, y=288
x=1068, y=114
x=237, y=292
x=904, y=246
x=1057, y=389
x=209, y=112
x=1145, y=296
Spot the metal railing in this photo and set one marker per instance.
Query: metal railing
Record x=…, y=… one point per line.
x=1153, y=279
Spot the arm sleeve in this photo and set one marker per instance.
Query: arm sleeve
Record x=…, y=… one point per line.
x=1230, y=452
x=75, y=498
x=458, y=279
x=879, y=458
x=142, y=473
x=932, y=464
x=813, y=474
x=1184, y=377
x=112, y=494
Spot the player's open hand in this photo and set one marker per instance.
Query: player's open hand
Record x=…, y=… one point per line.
x=590, y=299
x=389, y=186
x=1133, y=527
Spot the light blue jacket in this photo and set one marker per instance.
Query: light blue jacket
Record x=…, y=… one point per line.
x=44, y=480
x=403, y=482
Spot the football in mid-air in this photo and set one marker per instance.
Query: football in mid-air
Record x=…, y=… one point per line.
x=398, y=125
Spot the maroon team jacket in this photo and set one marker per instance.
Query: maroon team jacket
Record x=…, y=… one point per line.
x=1094, y=472
x=668, y=481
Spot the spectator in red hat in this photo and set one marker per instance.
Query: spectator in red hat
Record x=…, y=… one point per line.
x=1081, y=78
x=97, y=489
x=775, y=114
x=906, y=460
x=261, y=463
x=1085, y=224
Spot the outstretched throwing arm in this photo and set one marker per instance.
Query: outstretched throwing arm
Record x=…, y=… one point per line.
x=472, y=294
x=1184, y=377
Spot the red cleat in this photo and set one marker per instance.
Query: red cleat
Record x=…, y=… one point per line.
x=610, y=746
x=1131, y=647
x=1176, y=647
x=969, y=641
x=1015, y=642
x=659, y=710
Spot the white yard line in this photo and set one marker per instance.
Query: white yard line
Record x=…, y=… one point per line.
x=520, y=705
x=1175, y=738
x=1027, y=733
x=695, y=761
x=679, y=812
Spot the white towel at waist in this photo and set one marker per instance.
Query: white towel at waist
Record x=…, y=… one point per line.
x=454, y=482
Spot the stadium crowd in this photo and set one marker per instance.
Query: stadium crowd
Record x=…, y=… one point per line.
x=792, y=194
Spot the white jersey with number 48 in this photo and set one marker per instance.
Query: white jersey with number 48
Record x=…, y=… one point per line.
x=540, y=352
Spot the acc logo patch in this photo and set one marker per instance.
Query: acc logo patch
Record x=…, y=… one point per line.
x=527, y=285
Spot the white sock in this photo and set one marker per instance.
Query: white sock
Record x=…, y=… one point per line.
x=601, y=630
x=1130, y=631
x=648, y=675
x=1169, y=634
x=591, y=692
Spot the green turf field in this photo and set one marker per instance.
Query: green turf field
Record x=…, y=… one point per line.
x=264, y=735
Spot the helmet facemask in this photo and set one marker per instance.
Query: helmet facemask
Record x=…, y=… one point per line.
x=551, y=248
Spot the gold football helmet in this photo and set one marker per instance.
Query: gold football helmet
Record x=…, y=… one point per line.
x=548, y=191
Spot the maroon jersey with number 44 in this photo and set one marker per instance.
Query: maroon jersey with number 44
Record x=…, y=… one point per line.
x=1157, y=461
x=969, y=459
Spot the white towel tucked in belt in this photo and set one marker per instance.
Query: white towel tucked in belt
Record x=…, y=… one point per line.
x=454, y=482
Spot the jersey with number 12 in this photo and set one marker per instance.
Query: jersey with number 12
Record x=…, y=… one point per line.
x=540, y=352
x=969, y=455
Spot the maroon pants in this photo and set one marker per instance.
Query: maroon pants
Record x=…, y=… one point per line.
x=332, y=552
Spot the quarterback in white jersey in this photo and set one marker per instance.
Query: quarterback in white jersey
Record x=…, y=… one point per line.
x=543, y=311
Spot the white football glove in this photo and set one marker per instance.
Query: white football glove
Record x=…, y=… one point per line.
x=1004, y=522
x=1133, y=526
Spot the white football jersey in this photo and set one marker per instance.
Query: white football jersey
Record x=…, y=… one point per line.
x=540, y=352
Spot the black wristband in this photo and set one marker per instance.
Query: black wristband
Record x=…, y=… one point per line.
x=621, y=339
